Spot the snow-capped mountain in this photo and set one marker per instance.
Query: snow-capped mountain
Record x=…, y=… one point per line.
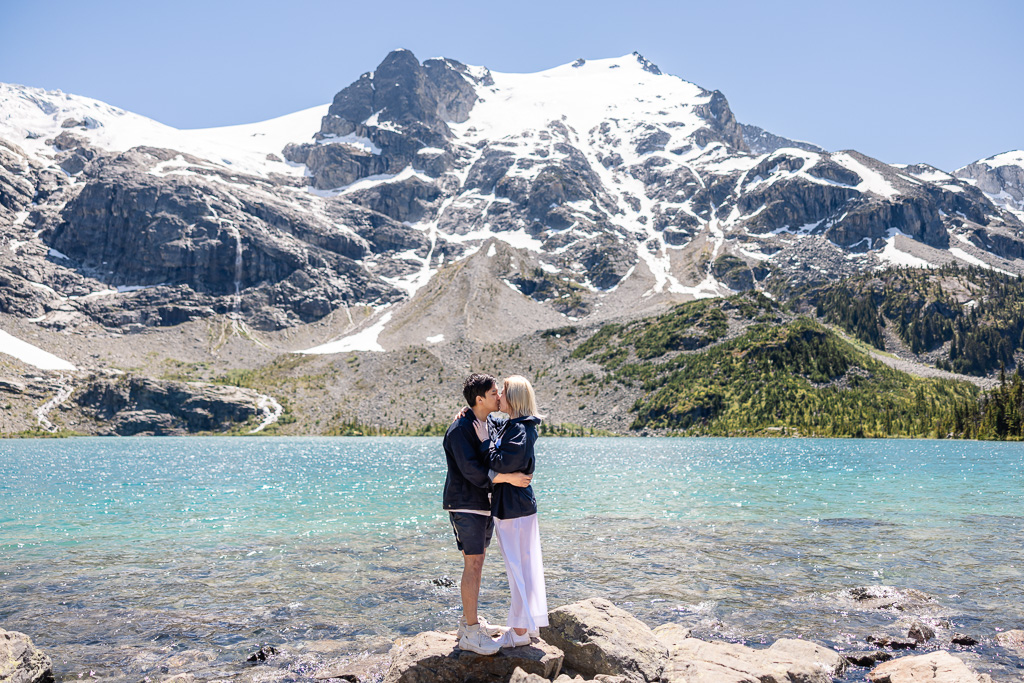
x=593, y=190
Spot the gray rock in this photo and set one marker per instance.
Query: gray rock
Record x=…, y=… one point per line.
x=134, y=405
x=180, y=678
x=994, y=180
x=434, y=657
x=21, y=661
x=937, y=667
x=888, y=597
x=355, y=669
x=786, y=661
x=720, y=124
x=733, y=272
x=599, y=678
x=11, y=386
x=651, y=139
x=267, y=674
x=672, y=634
x=492, y=165
x=867, y=658
x=262, y=655
x=1012, y=640
x=407, y=200
x=520, y=676
x=963, y=639
x=896, y=643
x=920, y=632
x=600, y=638
x=760, y=141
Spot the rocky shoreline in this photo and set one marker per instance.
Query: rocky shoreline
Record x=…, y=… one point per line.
x=595, y=641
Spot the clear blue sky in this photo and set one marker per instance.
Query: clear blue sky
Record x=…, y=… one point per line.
x=900, y=80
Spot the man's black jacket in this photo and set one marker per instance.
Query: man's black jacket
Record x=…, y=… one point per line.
x=467, y=484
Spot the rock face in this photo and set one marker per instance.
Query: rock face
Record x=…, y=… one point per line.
x=129, y=228
x=600, y=638
x=786, y=661
x=1001, y=176
x=415, y=166
x=22, y=662
x=434, y=657
x=134, y=405
x=937, y=667
x=760, y=141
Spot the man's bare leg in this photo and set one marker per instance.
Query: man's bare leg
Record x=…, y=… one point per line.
x=472, y=570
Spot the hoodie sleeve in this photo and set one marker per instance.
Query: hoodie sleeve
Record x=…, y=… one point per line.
x=508, y=452
x=472, y=463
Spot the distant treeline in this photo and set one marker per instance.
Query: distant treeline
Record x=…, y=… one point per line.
x=970, y=318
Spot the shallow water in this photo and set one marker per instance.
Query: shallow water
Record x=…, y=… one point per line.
x=126, y=557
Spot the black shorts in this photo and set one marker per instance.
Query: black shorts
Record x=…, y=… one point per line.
x=472, y=532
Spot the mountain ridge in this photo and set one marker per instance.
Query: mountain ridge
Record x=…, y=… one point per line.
x=594, y=191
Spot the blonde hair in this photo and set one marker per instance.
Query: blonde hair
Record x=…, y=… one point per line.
x=519, y=397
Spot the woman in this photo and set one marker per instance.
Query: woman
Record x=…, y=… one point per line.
x=514, y=510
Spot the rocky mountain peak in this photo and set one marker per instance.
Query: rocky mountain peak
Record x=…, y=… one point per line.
x=647, y=65
x=403, y=91
x=595, y=189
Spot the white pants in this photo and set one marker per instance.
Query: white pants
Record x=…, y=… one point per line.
x=519, y=539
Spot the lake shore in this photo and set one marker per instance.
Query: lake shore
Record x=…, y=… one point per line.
x=590, y=640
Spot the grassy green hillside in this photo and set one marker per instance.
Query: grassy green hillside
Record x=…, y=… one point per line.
x=967, y=320
x=797, y=377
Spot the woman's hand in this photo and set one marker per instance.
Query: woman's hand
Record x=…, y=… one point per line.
x=515, y=478
x=458, y=415
x=481, y=429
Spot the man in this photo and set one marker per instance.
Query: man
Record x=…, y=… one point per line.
x=467, y=500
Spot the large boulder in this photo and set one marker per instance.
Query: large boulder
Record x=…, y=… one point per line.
x=600, y=638
x=21, y=661
x=786, y=661
x=1012, y=640
x=434, y=657
x=934, y=667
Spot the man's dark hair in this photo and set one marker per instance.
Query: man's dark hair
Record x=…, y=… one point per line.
x=477, y=385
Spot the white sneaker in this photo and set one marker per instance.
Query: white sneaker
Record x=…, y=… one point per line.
x=512, y=639
x=489, y=629
x=473, y=639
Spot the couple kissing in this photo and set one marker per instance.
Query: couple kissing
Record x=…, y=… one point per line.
x=490, y=466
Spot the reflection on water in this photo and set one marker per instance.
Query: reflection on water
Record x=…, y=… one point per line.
x=125, y=557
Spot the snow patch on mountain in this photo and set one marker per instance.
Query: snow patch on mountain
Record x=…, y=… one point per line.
x=31, y=355
x=30, y=117
x=365, y=340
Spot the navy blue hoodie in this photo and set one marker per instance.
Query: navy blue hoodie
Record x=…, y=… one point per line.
x=511, y=450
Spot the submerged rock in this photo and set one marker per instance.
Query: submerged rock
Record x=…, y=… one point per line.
x=1013, y=640
x=934, y=667
x=180, y=678
x=262, y=654
x=21, y=661
x=434, y=657
x=600, y=638
x=888, y=597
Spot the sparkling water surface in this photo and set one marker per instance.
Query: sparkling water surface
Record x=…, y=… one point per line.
x=127, y=558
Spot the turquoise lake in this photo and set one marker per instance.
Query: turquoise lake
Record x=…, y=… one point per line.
x=118, y=555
